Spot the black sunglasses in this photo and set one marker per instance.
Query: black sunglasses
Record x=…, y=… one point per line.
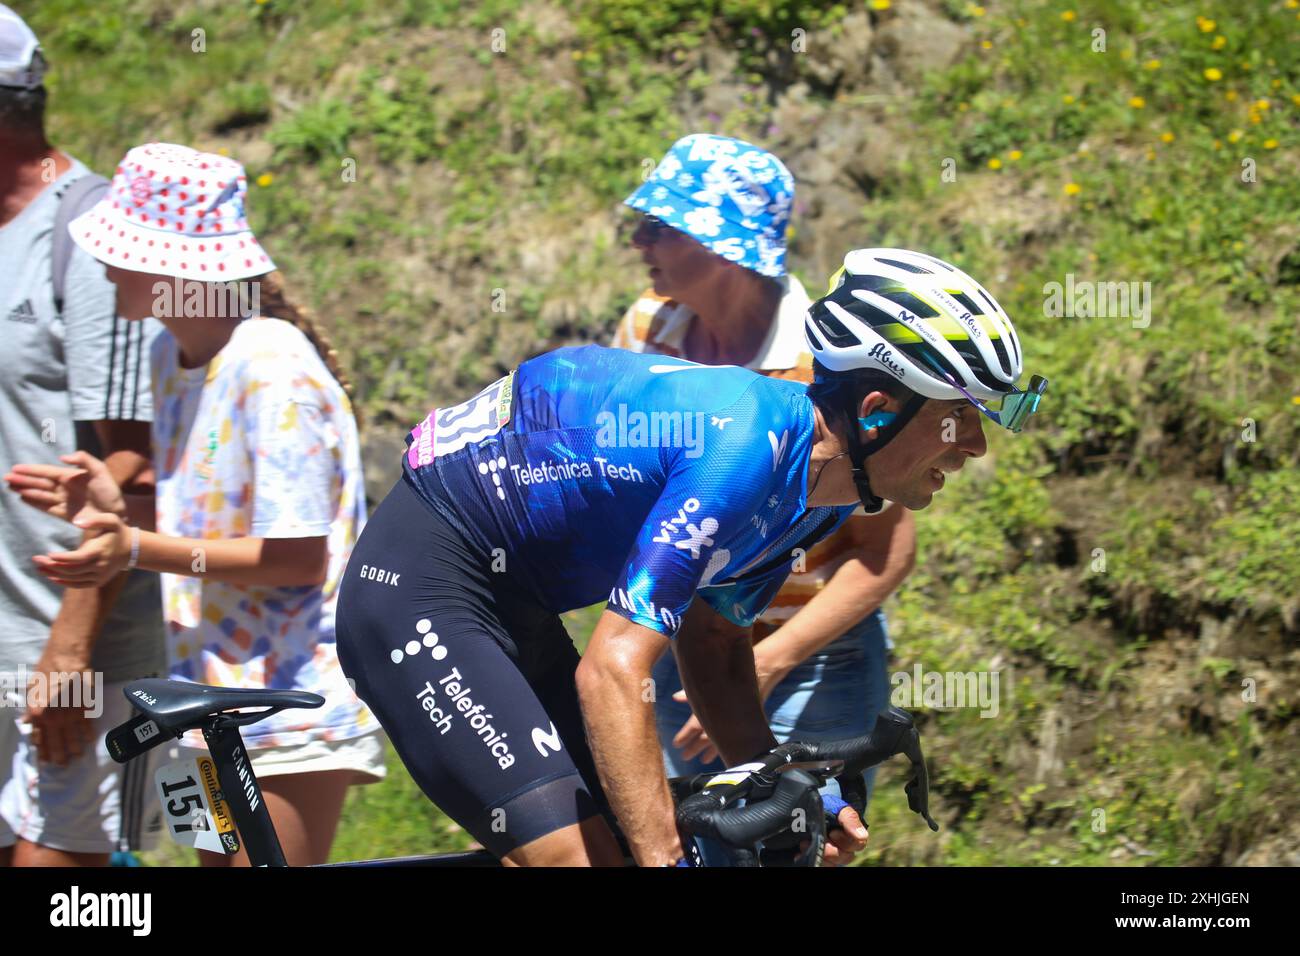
x=651, y=228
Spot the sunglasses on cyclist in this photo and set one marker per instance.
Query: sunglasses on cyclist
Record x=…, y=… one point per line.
x=1012, y=409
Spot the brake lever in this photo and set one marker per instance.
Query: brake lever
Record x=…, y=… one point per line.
x=918, y=787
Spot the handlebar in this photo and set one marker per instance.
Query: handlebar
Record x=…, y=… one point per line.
x=786, y=779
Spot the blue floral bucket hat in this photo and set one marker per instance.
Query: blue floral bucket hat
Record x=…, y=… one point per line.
x=731, y=196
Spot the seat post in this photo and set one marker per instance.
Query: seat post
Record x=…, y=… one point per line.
x=242, y=793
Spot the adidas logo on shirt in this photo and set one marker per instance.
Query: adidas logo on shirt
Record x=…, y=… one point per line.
x=23, y=313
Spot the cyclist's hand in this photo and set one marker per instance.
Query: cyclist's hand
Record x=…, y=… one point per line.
x=691, y=740
x=845, y=841
x=103, y=554
x=81, y=490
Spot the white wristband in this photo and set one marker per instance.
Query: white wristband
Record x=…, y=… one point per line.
x=135, y=548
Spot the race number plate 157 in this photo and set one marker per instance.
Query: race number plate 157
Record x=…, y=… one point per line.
x=196, y=812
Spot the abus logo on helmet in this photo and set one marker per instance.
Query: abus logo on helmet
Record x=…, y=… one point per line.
x=969, y=321
x=885, y=356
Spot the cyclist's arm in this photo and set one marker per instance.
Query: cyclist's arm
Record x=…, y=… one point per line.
x=716, y=660
x=613, y=680
x=884, y=554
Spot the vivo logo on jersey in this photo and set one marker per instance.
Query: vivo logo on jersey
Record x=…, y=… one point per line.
x=885, y=356
x=697, y=536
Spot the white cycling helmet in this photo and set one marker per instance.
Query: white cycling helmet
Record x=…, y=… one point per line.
x=927, y=324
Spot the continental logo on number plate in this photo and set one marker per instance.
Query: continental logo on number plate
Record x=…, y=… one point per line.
x=220, y=809
x=503, y=400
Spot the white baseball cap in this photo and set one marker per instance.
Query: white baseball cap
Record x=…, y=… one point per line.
x=22, y=64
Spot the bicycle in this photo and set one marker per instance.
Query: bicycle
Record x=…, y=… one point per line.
x=762, y=811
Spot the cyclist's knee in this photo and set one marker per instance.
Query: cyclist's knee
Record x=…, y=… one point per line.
x=588, y=843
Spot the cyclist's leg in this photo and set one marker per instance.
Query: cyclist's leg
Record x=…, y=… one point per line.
x=589, y=843
x=429, y=655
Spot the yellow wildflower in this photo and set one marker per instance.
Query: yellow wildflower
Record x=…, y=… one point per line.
x=1067, y=16
x=1234, y=136
x=1067, y=99
x=1206, y=25
x=1137, y=102
x=1151, y=64
x=1219, y=42
x=265, y=179
x=986, y=44
x=880, y=4
x=1230, y=96
x=975, y=11
x=1014, y=155
x=995, y=163
x=1166, y=137
x=1213, y=74
x=1073, y=189
x=1270, y=144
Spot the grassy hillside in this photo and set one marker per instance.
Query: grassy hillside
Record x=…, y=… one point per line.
x=1128, y=566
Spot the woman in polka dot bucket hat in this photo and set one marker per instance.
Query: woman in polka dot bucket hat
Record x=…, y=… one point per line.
x=259, y=492
x=174, y=211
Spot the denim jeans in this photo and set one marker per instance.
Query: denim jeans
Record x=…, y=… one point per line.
x=835, y=693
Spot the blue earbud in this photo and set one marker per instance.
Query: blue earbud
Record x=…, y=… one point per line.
x=877, y=420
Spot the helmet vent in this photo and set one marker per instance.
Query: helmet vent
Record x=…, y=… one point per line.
x=834, y=329
x=970, y=304
x=911, y=303
x=906, y=266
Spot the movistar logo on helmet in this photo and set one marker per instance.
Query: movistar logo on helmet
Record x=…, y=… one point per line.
x=885, y=356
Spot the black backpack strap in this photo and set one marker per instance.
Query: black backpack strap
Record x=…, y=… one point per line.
x=79, y=196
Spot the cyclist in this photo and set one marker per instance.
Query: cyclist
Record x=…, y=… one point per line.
x=597, y=474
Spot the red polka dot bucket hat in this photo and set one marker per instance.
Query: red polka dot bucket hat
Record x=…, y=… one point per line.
x=174, y=211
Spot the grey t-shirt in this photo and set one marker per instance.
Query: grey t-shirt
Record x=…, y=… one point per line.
x=87, y=365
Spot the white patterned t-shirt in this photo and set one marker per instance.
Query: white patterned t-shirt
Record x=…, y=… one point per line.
x=259, y=442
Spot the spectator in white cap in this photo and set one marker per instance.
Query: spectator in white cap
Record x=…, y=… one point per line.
x=259, y=484
x=73, y=375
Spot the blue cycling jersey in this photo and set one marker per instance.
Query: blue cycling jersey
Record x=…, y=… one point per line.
x=597, y=474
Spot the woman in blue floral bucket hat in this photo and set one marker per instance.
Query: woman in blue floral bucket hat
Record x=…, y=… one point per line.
x=730, y=196
x=715, y=214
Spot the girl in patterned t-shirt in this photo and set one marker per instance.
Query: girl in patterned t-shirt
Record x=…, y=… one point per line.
x=259, y=483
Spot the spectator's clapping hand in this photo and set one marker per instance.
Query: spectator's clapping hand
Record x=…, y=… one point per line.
x=103, y=554
x=81, y=491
